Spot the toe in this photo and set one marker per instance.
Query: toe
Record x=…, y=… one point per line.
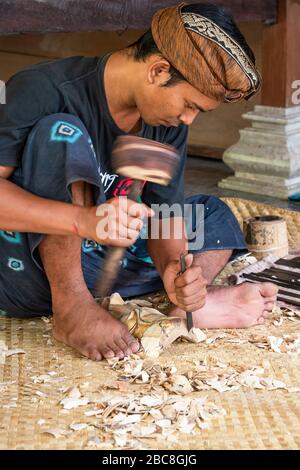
x=131, y=342
x=95, y=355
x=119, y=353
x=134, y=346
x=107, y=353
x=269, y=306
x=116, y=349
x=267, y=314
x=271, y=299
x=123, y=346
x=90, y=352
x=267, y=289
x=261, y=321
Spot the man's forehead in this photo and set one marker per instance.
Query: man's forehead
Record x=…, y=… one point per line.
x=200, y=100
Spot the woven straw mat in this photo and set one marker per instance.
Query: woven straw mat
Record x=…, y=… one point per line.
x=255, y=418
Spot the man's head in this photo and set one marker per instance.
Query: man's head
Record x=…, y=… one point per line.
x=194, y=59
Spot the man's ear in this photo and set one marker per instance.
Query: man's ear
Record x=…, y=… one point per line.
x=159, y=72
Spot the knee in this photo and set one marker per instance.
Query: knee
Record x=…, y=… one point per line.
x=214, y=203
x=211, y=204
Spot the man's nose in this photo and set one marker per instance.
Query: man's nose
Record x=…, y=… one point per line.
x=188, y=116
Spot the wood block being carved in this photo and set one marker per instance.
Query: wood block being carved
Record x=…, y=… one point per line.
x=155, y=330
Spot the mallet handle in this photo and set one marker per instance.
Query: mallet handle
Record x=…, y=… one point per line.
x=114, y=255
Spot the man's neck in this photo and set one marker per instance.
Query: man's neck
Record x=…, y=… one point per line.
x=118, y=85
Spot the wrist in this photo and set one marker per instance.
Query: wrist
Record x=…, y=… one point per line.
x=79, y=222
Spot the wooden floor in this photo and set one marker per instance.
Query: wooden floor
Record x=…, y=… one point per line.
x=203, y=174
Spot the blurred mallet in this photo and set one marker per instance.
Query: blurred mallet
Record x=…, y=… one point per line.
x=142, y=160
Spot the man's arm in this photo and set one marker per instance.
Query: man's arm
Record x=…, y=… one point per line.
x=187, y=291
x=163, y=251
x=30, y=96
x=21, y=211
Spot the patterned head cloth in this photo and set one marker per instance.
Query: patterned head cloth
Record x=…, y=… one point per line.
x=207, y=57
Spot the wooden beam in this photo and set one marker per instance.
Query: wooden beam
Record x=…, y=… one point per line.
x=281, y=56
x=20, y=16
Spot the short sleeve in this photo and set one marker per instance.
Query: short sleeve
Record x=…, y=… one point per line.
x=174, y=192
x=30, y=95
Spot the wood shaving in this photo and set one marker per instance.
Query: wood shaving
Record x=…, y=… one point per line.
x=180, y=385
x=116, y=299
x=4, y=385
x=11, y=352
x=214, y=337
x=286, y=344
x=78, y=426
x=278, y=322
x=5, y=352
x=70, y=403
x=40, y=422
x=41, y=379
x=94, y=441
x=73, y=399
x=55, y=432
x=41, y=394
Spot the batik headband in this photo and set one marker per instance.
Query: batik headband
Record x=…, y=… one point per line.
x=205, y=55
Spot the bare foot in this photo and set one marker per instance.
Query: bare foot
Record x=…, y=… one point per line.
x=90, y=329
x=234, y=307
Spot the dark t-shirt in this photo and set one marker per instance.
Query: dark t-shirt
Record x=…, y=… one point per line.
x=75, y=86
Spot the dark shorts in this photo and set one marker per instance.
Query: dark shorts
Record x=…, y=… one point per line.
x=24, y=288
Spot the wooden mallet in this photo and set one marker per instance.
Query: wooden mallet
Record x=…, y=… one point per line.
x=142, y=160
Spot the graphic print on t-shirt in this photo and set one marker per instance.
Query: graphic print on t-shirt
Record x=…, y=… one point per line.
x=65, y=132
x=107, y=179
x=15, y=264
x=11, y=237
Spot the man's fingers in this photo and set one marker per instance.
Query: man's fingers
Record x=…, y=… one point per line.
x=192, y=299
x=192, y=307
x=189, y=278
x=189, y=258
x=140, y=210
x=189, y=291
x=127, y=233
x=134, y=223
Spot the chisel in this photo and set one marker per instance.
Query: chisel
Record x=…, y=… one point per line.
x=189, y=315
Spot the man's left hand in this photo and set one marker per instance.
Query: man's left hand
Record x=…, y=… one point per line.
x=187, y=290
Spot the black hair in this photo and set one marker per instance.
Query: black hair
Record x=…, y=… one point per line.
x=145, y=45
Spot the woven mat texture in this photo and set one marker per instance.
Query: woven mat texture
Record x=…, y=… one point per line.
x=255, y=419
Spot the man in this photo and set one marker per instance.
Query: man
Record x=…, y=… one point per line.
x=57, y=131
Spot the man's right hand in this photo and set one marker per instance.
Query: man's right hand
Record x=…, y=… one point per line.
x=117, y=222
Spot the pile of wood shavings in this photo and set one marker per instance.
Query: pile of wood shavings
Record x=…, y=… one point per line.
x=151, y=401
x=123, y=420
x=208, y=374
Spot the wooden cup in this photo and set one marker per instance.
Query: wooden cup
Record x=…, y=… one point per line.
x=266, y=235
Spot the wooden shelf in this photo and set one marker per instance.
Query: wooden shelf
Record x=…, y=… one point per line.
x=19, y=16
